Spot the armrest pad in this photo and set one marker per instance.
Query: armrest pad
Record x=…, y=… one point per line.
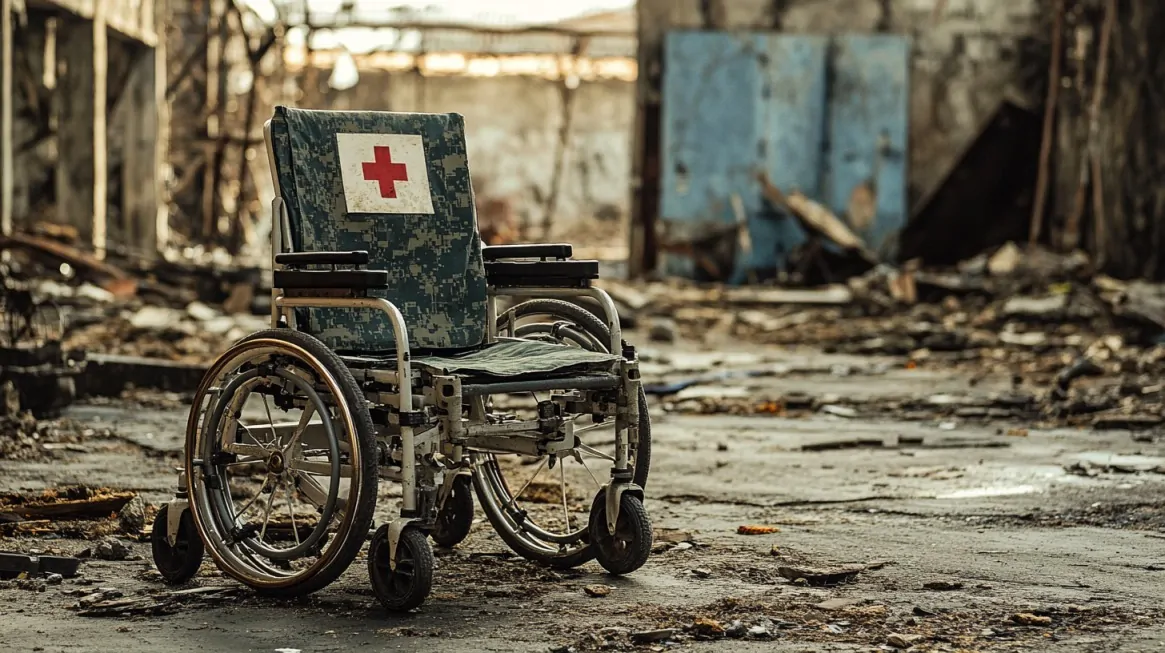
x=541, y=274
x=322, y=258
x=528, y=250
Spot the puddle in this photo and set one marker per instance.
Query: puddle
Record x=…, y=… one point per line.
x=983, y=492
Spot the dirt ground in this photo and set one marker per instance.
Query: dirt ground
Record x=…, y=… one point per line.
x=955, y=534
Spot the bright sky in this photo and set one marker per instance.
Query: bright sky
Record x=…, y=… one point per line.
x=498, y=12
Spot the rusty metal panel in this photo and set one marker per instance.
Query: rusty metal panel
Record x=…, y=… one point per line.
x=793, y=98
x=711, y=131
x=734, y=104
x=867, y=135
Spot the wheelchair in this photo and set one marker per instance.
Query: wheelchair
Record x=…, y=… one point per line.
x=387, y=360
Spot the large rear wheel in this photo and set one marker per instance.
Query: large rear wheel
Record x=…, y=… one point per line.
x=541, y=506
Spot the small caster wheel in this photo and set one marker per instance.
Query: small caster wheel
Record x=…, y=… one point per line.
x=456, y=516
x=627, y=549
x=177, y=563
x=407, y=586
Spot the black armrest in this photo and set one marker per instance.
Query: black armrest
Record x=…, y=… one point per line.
x=541, y=274
x=296, y=259
x=356, y=280
x=530, y=250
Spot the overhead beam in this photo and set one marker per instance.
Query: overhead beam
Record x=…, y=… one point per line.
x=132, y=18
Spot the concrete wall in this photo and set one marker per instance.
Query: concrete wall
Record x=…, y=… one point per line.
x=513, y=125
x=967, y=56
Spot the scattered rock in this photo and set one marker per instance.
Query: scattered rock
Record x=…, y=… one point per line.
x=54, y=579
x=705, y=627
x=821, y=575
x=839, y=411
x=31, y=584
x=597, y=591
x=652, y=636
x=837, y=604
x=700, y=572
x=942, y=586
x=736, y=630
x=662, y=329
x=614, y=632
x=132, y=516
x=899, y=640
x=759, y=632
x=111, y=549
x=1029, y=619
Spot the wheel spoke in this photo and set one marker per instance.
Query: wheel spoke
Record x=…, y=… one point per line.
x=577, y=456
x=304, y=419
x=267, y=512
x=239, y=515
x=594, y=452
x=270, y=422
x=514, y=499
x=291, y=513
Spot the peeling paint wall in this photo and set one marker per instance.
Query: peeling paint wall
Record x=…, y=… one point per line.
x=512, y=125
x=967, y=56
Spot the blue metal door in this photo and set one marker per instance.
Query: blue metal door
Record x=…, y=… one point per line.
x=710, y=138
x=868, y=124
x=821, y=118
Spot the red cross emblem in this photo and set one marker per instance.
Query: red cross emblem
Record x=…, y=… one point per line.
x=383, y=171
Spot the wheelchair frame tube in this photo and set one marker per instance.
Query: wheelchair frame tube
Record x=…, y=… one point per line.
x=598, y=294
x=403, y=371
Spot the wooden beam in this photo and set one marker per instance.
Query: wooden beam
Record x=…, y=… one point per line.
x=476, y=29
x=7, y=138
x=100, y=128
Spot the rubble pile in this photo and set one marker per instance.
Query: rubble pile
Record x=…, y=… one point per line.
x=1043, y=319
x=24, y=437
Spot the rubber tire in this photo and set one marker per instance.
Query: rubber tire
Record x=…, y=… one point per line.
x=633, y=519
x=177, y=564
x=459, y=508
x=416, y=544
x=361, y=523
x=595, y=328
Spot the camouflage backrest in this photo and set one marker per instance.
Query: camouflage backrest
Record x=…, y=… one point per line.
x=397, y=185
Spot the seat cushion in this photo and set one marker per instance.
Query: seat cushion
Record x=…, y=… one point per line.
x=510, y=359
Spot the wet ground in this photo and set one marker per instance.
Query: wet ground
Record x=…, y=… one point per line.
x=956, y=534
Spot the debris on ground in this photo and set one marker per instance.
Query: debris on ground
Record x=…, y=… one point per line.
x=942, y=586
x=899, y=640
x=1029, y=619
x=111, y=549
x=132, y=516
x=820, y=576
x=598, y=591
x=72, y=502
x=754, y=529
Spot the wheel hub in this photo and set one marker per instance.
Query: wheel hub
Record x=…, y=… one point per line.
x=276, y=463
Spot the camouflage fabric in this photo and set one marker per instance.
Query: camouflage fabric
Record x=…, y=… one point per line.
x=436, y=274
x=517, y=358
